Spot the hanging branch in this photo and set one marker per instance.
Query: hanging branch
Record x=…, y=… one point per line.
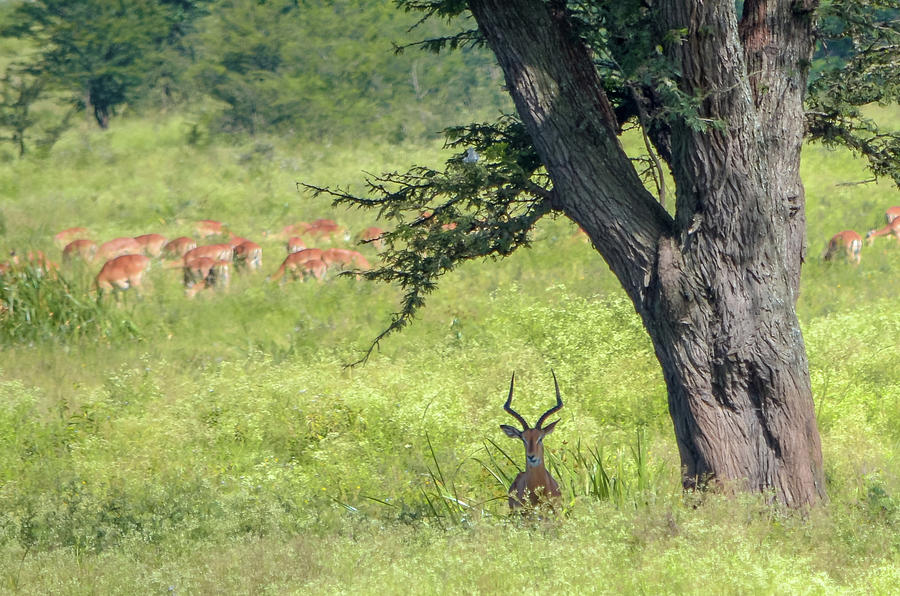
x=482, y=204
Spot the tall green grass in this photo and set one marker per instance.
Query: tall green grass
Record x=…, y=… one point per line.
x=40, y=305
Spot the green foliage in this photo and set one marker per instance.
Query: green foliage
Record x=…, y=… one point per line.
x=867, y=34
x=20, y=91
x=326, y=70
x=37, y=305
x=99, y=52
x=479, y=206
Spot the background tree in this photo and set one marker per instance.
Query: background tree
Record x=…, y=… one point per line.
x=30, y=116
x=101, y=52
x=320, y=70
x=720, y=97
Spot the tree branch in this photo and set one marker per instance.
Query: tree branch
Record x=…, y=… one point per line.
x=559, y=96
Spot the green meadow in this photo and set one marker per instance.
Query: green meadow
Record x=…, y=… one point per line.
x=155, y=444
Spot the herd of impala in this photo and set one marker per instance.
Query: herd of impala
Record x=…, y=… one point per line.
x=850, y=243
x=124, y=261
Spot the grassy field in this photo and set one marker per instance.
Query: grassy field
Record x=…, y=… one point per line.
x=219, y=445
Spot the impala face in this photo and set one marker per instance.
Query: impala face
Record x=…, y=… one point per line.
x=533, y=438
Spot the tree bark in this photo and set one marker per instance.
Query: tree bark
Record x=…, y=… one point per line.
x=717, y=284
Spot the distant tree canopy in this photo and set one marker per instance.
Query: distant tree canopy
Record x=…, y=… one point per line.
x=99, y=52
x=310, y=69
x=318, y=68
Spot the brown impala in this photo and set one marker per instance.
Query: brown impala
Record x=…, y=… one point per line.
x=892, y=213
x=535, y=483
x=179, y=246
x=210, y=227
x=248, y=254
x=82, y=248
x=152, y=244
x=848, y=242
x=891, y=228
x=122, y=273
x=295, y=244
x=302, y=264
x=218, y=252
x=66, y=236
x=373, y=236
x=118, y=247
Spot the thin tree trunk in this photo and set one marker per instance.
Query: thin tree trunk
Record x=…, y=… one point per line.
x=716, y=286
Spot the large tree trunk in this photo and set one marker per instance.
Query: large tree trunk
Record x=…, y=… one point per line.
x=716, y=285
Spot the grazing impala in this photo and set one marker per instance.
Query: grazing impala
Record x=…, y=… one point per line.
x=195, y=273
x=118, y=247
x=152, y=244
x=344, y=256
x=295, y=244
x=66, y=236
x=302, y=264
x=248, y=254
x=82, y=248
x=891, y=228
x=209, y=227
x=122, y=273
x=203, y=272
x=371, y=236
x=535, y=484
x=35, y=260
x=218, y=252
x=847, y=241
x=178, y=247
x=892, y=213
x=325, y=229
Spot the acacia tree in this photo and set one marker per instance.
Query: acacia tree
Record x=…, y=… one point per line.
x=720, y=99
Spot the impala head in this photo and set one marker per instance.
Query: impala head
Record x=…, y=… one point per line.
x=532, y=437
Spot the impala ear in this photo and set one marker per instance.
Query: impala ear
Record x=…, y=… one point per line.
x=549, y=428
x=511, y=431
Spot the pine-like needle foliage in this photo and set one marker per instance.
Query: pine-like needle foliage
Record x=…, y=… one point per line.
x=483, y=203
x=857, y=65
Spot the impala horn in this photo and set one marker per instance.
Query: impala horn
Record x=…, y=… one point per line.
x=559, y=403
x=507, y=407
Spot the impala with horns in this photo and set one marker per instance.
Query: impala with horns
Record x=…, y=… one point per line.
x=848, y=242
x=535, y=484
